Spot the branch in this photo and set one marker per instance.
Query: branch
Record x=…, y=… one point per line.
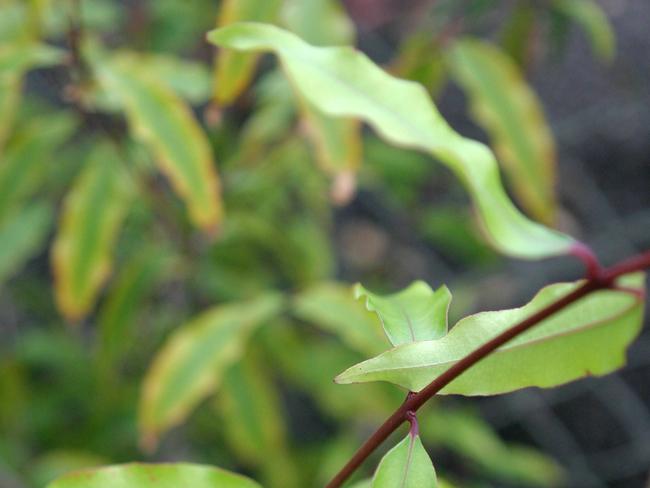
x=598, y=279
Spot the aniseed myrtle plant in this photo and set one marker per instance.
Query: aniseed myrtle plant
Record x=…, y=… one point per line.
x=192, y=262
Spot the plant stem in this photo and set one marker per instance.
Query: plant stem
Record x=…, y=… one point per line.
x=598, y=279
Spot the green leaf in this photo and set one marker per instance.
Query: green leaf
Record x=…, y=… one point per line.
x=407, y=465
x=192, y=363
x=253, y=419
x=92, y=215
x=331, y=307
x=27, y=159
x=593, y=20
x=319, y=22
x=416, y=313
x=168, y=128
x=343, y=82
x=588, y=338
x=505, y=106
x=154, y=476
x=22, y=236
x=233, y=70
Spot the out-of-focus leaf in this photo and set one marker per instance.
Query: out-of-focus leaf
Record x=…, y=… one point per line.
x=120, y=309
x=255, y=427
x=508, y=109
x=192, y=363
x=588, y=338
x=517, y=32
x=90, y=222
x=332, y=307
x=343, y=82
x=593, y=20
x=55, y=464
x=154, y=476
x=406, y=465
x=21, y=236
x=472, y=438
x=234, y=70
x=26, y=161
x=166, y=125
x=420, y=59
x=320, y=22
x=416, y=313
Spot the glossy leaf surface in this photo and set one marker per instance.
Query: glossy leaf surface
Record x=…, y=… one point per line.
x=505, y=106
x=167, y=126
x=89, y=225
x=154, y=476
x=588, y=338
x=407, y=465
x=343, y=82
x=192, y=363
x=416, y=313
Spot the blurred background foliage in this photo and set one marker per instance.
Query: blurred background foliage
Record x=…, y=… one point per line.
x=151, y=190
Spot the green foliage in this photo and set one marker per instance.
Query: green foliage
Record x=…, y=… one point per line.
x=406, y=465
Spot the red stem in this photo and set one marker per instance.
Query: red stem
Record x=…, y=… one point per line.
x=598, y=279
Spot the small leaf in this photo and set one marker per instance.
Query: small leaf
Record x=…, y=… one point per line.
x=22, y=236
x=192, y=363
x=508, y=109
x=92, y=215
x=331, y=307
x=416, y=313
x=234, y=70
x=154, y=476
x=343, y=82
x=588, y=338
x=407, y=465
x=253, y=420
x=593, y=20
x=168, y=128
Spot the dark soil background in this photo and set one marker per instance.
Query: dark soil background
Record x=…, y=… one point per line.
x=598, y=428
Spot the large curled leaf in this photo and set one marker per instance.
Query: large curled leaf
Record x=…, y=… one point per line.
x=593, y=20
x=154, y=476
x=587, y=338
x=21, y=236
x=407, y=465
x=343, y=82
x=233, y=70
x=192, y=363
x=508, y=109
x=331, y=307
x=416, y=313
x=92, y=215
x=166, y=125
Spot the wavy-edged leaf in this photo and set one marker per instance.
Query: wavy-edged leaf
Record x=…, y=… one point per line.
x=168, y=128
x=505, y=106
x=332, y=307
x=192, y=363
x=92, y=215
x=234, y=70
x=26, y=161
x=138, y=475
x=416, y=313
x=254, y=425
x=593, y=20
x=588, y=338
x=343, y=82
x=407, y=465
x=21, y=236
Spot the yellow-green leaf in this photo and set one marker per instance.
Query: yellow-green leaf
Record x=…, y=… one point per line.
x=138, y=475
x=92, y=214
x=167, y=126
x=233, y=70
x=407, y=465
x=343, y=82
x=593, y=20
x=192, y=363
x=508, y=109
